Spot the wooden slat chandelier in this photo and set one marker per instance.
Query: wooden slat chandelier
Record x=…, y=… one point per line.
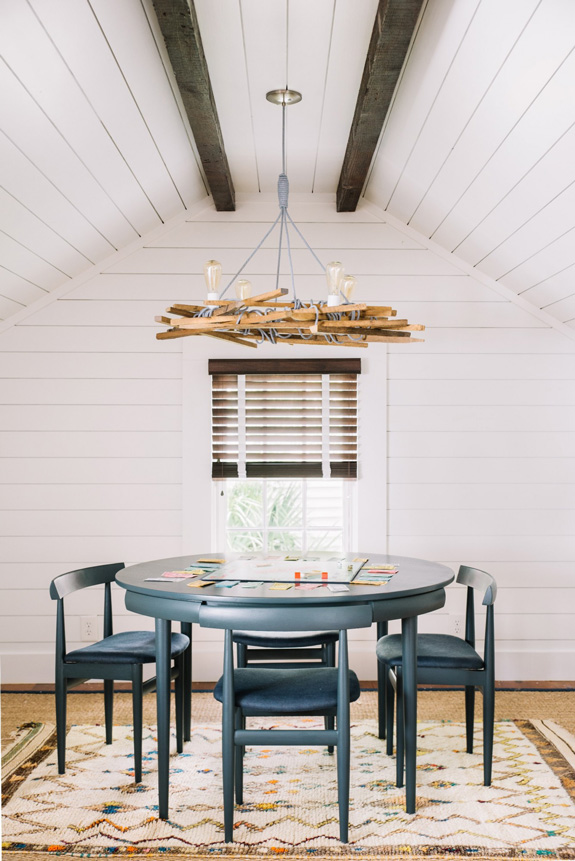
x=270, y=317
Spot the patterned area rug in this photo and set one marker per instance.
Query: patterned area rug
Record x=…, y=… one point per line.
x=290, y=808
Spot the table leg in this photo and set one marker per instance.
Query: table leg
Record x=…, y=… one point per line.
x=187, y=686
x=163, y=638
x=409, y=648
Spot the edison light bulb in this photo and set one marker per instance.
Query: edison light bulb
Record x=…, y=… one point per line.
x=212, y=274
x=347, y=287
x=243, y=288
x=334, y=274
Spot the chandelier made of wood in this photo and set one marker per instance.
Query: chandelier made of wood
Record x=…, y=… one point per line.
x=270, y=317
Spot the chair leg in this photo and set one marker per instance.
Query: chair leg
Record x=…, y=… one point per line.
x=329, y=723
x=61, y=721
x=179, y=685
x=186, y=628
x=469, y=715
x=109, y=708
x=400, y=722
x=240, y=723
x=242, y=655
x=488, y=719
x=137, y=696
x=329, y=661
x=382, y=628
x=389, y=710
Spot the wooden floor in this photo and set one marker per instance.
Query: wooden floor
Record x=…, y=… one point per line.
x=19, y=708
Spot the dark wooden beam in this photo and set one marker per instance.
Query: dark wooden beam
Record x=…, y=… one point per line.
x=179, y=25
x=394, y=24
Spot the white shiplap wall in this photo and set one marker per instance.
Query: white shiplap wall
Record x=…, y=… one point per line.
x=479, y=448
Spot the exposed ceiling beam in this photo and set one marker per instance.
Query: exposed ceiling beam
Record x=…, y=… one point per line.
x=392, y=31
x=179, y=25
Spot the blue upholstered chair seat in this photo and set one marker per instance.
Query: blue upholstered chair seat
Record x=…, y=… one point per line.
x=287, y=692
x=433, y=650
x=285, y=640
x=129, y=647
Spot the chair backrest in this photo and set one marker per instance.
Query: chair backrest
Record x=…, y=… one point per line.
x=64, y=584
x=480, y=580
x=474, y=578
x=82, y=578
x=286, y=618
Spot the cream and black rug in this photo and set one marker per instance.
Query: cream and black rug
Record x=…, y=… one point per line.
x=290, y=794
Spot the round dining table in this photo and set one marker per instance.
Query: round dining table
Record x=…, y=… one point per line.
x=417, y=587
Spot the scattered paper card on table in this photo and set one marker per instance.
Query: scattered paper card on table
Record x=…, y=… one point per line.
x=156, y=579
x=226, y=584
x=377, y=566
x=337, y=587
x=199, y=584
x=281, y=585
x=309, y=586
x=178, y=575
x=251, y=584
x=211, y=561
x=370, y=582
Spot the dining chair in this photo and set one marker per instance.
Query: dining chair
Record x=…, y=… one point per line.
x=118, y=657
x=444, y=659
x=312, y=691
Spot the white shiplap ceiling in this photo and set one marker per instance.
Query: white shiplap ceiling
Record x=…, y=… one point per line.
x=479, y=150
x=477, y=153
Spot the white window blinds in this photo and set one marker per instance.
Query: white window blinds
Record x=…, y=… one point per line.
x=284, y=418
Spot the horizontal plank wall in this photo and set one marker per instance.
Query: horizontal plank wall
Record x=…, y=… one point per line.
x=474, y=429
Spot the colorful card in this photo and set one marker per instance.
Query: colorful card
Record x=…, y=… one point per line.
x=369, y=582
x=281, y=586
x=376, y=566
x=251, y=584
x=226, y=584
x=199, y=584
x=156, y=579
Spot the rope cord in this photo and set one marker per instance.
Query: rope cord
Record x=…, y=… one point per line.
x=288, y=243
x=245, y=263
x=301, y=236
x=282, y=223
x=284, y=138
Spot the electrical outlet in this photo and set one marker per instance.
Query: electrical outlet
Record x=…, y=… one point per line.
x=458, y=626
x=89, y=628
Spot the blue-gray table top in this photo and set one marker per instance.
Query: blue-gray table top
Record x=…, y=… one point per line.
x=414, y=577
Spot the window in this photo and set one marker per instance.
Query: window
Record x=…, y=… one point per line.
x=284, y=515
x=284, y=436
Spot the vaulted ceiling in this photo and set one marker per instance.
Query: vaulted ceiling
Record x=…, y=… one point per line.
x=476, y=152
